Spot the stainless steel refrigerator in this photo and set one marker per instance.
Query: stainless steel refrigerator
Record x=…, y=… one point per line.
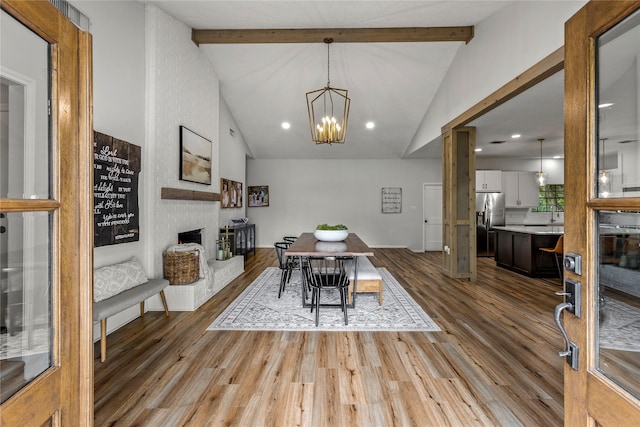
x=490, y=212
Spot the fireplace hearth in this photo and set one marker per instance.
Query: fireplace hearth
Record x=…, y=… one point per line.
x=191, y=236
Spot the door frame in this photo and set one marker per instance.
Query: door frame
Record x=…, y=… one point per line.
x=545, y=68
x=590, y=397
x=63, y=394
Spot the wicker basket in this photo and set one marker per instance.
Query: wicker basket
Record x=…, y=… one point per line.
x=181, y=268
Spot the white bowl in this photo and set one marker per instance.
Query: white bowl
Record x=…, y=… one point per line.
x=331, y=235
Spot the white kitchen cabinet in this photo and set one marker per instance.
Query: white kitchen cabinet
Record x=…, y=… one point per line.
x=520, y=189
x=488, y=181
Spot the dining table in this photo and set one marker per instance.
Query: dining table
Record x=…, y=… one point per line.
x=306, y=245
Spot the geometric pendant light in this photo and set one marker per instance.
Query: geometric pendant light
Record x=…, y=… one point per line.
x=328, y=110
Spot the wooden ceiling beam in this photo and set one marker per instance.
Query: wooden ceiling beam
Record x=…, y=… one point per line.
x=339, y=35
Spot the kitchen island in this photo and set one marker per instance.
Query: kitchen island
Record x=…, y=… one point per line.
x=518, y=249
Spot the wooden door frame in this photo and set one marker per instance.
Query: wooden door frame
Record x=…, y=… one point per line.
x=613, y=404
x=64, y=393
x=458, y=203
x=532, y=76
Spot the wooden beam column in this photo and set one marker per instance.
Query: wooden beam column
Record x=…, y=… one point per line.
x=458, y=204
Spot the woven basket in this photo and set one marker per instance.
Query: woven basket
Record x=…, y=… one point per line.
x=181, y=268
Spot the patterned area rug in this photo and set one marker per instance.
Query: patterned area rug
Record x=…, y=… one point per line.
x=259, y=308
x=620, y=329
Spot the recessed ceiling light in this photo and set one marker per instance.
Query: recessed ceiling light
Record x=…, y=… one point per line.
x=370, y=125
x=556, y=157
x=478, y=149
x=286, y=125
x=605, y=104
x=516, y=135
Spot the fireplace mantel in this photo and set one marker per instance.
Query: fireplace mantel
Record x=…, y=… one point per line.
x=180, y=194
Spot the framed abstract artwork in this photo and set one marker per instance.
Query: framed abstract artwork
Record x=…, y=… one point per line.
x=195, y=157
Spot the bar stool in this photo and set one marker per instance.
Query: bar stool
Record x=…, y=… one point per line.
x=557, y=253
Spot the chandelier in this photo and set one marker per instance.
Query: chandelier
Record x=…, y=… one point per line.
x=328, y=111
x=541, y=177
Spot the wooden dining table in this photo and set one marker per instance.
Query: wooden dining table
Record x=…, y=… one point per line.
x=308, y=246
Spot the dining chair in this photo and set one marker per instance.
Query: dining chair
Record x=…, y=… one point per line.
x=325, y=273
x=557, y=252
x=290, y=239
x=286, y=264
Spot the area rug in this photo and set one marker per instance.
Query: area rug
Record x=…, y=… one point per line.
x=620, y=328
x=259, y=308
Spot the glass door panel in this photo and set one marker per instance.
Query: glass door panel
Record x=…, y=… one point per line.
x=25, y=300
x=618, y=77
x=24, y=116
x=26, y=339
x=618, y=323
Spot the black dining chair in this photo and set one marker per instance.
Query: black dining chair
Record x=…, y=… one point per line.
x=328, y=273
x=290, y=239
x=286, y=264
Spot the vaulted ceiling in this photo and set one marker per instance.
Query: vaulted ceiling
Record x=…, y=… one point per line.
x=390, y=83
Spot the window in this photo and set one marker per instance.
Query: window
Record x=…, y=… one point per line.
x=550, y=198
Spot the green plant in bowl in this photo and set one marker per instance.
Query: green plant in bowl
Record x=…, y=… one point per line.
x=331, y=227
x=331, y=233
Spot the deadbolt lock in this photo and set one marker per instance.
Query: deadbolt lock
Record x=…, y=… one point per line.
x=573, y=262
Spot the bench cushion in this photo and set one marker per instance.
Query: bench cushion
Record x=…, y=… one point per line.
x=366, y=270
x=369, y=279
x=114, y=279
x=124, y=300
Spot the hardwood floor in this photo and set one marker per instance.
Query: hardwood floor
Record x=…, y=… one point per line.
x=495, y=362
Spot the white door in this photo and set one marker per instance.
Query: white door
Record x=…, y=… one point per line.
x=432, y=208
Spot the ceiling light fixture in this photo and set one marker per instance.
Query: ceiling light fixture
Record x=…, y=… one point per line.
x=604, y=180
x=286, y=125
x=328, y=110
x=516, y=135
x=370, y=125
x=478, y=150
x=541, y=177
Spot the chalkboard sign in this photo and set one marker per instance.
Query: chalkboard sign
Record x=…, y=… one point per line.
x=391, y=199
x=116, y=166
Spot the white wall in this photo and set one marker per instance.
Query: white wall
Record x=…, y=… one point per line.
x=233, y=163
x=305, y=193
x=119, y=97
x=119, y=110
x=183, y=90
x=149, y=78
x=504, y=45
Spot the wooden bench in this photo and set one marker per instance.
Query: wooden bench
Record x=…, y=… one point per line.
x=369, y=279
x=138, y=293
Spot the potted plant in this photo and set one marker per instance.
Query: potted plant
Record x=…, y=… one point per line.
x=331, y=233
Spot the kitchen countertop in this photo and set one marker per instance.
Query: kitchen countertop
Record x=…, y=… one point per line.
x=533, y=229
